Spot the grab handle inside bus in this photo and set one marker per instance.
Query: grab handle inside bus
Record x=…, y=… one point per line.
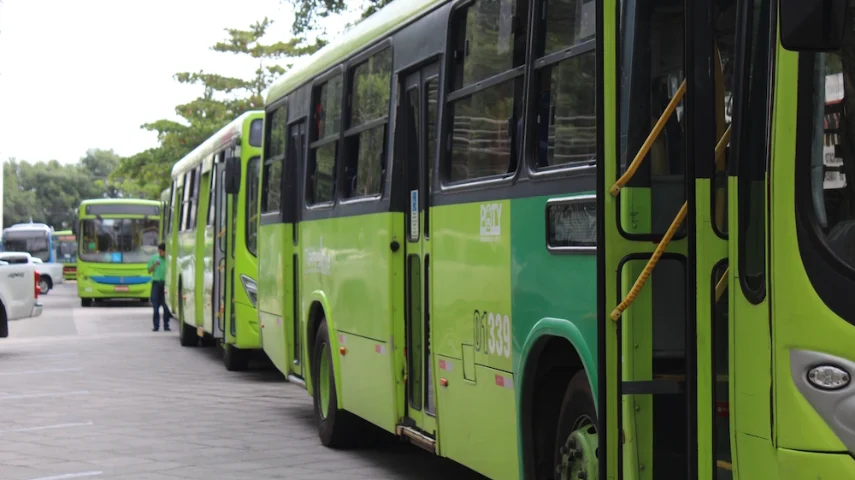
x=232, y=185
x=812, y=25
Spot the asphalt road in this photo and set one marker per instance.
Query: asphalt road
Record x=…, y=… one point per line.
x=94, y=393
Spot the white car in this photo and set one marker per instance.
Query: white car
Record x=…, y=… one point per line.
x=19, y=293
x=49, y=273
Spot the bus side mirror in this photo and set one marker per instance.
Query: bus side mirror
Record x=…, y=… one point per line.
x=74, y=227
x=812, y=25
x=232, y=185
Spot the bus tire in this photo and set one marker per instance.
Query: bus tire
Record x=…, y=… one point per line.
x=186, y=333
x=234, y=358
x=85, y=302
x=336, y=428
x=576, y=440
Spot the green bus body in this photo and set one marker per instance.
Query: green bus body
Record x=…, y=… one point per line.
x=442, y=244
x=211, y=238
x=65, y=244
x=116, y=239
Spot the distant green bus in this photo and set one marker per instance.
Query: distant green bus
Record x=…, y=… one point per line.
x=211, y=237
x=116, y=239
x=65, y=252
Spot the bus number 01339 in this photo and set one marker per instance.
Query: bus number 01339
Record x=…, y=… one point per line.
x=493, y=331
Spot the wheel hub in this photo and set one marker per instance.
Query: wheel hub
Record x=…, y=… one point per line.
x=579, y=455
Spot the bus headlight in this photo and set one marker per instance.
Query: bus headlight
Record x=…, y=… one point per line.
x=828, y=377
x=251, y=289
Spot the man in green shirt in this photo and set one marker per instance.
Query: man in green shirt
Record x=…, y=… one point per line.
x=157, y=269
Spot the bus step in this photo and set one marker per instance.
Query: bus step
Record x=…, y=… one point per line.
x=297, y=380
x=416, y=438
x=653, y=387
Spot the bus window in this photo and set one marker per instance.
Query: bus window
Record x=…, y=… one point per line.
x=324, y=149
x=566, y=123
x=365, y=165
x=831, y=156
x=487, y=80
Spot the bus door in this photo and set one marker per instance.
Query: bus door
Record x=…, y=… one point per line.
x=663, y=246
x=290, y=196
x=414, y=148
x=220, y=247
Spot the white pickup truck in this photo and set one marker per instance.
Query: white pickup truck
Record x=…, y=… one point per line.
x=49, y=273
x=19, y=293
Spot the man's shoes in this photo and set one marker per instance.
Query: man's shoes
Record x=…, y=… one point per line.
x=166, y=329
x=155, y=329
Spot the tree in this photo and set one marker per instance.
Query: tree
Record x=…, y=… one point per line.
x=50, y=192
x=223, y=98
x=308, y=14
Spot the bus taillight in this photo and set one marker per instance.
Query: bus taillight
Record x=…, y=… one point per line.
x=36, y=288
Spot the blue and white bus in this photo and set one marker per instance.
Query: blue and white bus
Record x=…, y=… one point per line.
x=33, y=238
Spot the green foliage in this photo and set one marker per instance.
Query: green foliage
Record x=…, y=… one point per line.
x=49, y=192
x=309, y=14
x=147, y=173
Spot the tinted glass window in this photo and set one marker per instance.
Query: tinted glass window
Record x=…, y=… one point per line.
x=256, y=129
x=276, y=132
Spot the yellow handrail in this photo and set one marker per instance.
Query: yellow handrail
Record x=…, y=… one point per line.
x=648, y=143
x=721, y=285
x=651, y=264
x=654, y=259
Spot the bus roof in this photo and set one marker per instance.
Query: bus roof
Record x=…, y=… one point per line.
x=207, y=147
x=29, y=226
x=387, y=20
x=118, y=201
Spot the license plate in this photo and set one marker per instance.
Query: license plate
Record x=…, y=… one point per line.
x=120, y=288
x=200, y=331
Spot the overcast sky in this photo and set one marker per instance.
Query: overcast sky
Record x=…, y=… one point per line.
x=79, y=74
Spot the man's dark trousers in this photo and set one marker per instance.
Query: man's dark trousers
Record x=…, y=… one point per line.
x=158, y=299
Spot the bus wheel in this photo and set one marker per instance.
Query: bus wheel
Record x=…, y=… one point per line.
x=186, y=333
x=234, y=358
x=85, y=302
x=576, y=441
x=336, y=428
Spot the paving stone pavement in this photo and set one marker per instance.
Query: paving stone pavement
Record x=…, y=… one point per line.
x=92, y=393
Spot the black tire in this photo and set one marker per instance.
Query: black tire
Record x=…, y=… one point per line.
x=45, y=284
x=234, y=358
x=577, y=408
x=339, y=428
x=85, y=302
x=186, y=333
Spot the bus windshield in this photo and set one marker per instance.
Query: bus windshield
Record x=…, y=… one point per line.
x=65, y=249
x=33, y=242
x=118, y=240
x=832, y=156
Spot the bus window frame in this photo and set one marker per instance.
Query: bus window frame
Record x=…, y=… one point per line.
x=251, y=197
x=273, y=216
x=540, y=60
x=448, y=96
x=314, y=144
x=347, y=132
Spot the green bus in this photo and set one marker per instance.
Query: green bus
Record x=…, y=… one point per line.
x=116, y=239
x=65, y=252
x=211, y=238
x=519, y=256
